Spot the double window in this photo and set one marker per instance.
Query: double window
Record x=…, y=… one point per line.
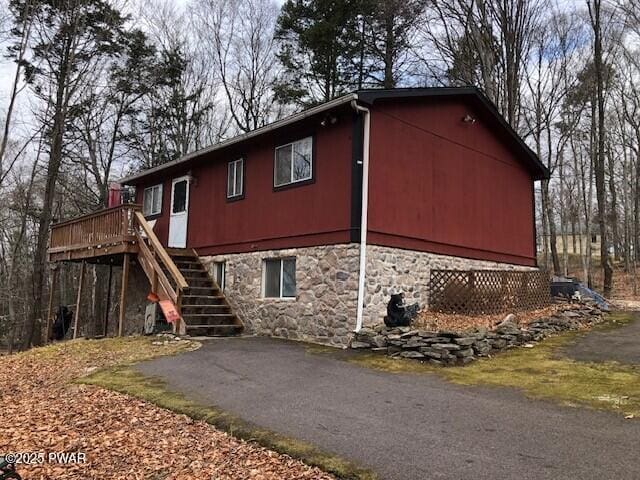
x=235, y=178
x=279, y=278
x=294, y=162
x=152, y=200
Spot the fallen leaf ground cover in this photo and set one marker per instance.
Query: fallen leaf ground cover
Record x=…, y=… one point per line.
x=435, y=321
x=44, y=409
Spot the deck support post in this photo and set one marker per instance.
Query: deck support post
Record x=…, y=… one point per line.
x=106, y=310
x=52, y=289
x=77, y=312
x=123, y=291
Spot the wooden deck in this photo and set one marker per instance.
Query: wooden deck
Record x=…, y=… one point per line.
x=98, y=237
x=118, y=235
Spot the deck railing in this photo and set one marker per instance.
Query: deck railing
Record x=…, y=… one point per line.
x=97, y=230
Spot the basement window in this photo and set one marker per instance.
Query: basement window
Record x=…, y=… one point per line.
x=219, y=271
x=293, y=162
x=235, y=179
x=279, y=278
x=152, y=200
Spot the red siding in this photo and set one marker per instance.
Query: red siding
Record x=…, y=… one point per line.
x=306, y=215
x=437, y=184
x=441, y=185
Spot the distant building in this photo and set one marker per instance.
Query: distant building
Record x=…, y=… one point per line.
x=576, y=244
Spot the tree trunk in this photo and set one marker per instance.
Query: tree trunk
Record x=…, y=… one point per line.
x=389, y=49
x=607, y=268
x=615, y=238
x=563, y=217
x=40, y=254
x=636, y=202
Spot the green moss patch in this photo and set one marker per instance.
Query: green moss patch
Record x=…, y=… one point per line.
x=125, y=380
x=540, y=372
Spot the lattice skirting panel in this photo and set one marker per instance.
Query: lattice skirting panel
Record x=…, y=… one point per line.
x=476, y=292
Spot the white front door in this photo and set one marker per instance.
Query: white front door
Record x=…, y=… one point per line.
x=179, y=212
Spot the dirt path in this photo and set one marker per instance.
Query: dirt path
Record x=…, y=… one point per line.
x=619, y=345
x=121, y=437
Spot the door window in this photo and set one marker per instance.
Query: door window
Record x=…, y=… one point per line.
x=179, y=197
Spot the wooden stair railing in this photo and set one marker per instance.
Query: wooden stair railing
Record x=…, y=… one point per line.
x=152, y=255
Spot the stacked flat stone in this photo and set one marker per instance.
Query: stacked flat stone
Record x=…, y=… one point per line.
x=449, y=348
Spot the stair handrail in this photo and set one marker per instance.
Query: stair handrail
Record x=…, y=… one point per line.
x=153, y=250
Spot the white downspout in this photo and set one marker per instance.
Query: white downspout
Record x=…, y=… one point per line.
x=365, y=207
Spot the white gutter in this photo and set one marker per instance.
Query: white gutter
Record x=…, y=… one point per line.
x=364, y=211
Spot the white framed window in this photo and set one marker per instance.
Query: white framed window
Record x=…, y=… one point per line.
x=219, y=273
x=293, y=162
x=279, y=278
x=235, y=178
x=152, y=200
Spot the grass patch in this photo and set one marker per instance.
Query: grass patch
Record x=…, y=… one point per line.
x=541, y=372
x=125, y=380
x=108, y=351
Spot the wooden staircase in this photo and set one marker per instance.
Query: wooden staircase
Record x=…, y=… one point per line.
x=176, y=276
x=204, y=307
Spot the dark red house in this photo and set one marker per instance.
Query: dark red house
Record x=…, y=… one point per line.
x=306, y=219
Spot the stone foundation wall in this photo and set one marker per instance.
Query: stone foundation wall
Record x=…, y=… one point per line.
x=324, y=309
x=393, y=270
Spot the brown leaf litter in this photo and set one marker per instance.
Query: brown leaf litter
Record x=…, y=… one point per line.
x=122, y=437
x=435, y=321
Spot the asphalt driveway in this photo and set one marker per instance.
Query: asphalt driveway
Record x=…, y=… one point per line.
x=403, y=426
x=618, y=344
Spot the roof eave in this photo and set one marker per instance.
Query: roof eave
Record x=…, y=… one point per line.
x=366, y=97
x=539, y=170
x=135, y=178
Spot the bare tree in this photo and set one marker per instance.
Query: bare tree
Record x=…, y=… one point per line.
x=179, y=114
x=595, y=17
x=237, y=39
x=66, y=38
x=550, y=78
x=484, y=42
x=18, y=51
